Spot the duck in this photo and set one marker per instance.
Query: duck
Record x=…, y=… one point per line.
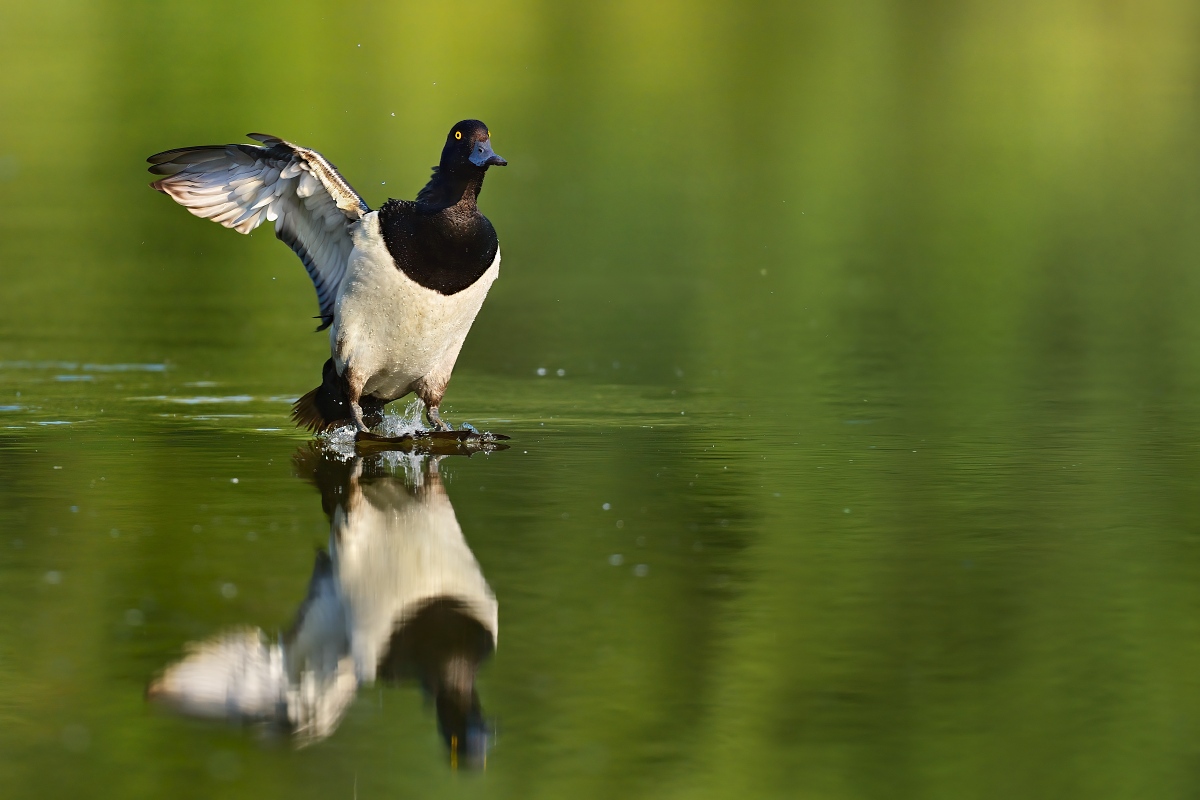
x=398, y=288
x=397, y=598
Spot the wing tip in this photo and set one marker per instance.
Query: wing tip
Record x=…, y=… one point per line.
x=170, y=155
x=265, y=138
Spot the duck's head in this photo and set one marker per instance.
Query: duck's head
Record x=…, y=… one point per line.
x=466, y=733
x=469, y=146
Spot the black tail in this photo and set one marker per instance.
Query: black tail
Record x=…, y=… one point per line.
x=324, y=407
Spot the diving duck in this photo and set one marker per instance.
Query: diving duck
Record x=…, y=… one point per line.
x=398, y=288
x=397, y=598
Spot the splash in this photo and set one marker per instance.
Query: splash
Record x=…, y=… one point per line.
x=407, y=421
x=338, y=442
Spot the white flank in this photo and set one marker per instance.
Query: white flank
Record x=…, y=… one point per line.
x=392, y=331
x=393, y=553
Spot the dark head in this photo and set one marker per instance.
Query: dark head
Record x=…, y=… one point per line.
x=469, y=146
x=459, y=177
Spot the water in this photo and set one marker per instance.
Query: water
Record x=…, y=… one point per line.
x=849, y=354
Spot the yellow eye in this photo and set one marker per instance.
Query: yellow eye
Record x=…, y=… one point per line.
x=458, y=134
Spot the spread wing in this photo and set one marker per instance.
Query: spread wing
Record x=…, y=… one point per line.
x=240, y=185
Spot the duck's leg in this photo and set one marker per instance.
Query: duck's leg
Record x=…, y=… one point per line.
x=435, y=419
x=354, y=388
x=431, y=390
x=357, y=414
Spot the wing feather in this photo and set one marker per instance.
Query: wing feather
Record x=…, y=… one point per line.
x=241, y=185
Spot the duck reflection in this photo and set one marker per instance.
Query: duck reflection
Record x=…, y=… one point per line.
x=398, y=596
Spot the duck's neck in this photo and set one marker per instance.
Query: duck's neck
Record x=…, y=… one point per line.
x=457, y=189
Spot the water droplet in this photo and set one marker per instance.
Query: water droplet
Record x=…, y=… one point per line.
x=228, y=591
x=641, y=570
x=615, y=559
x=53, y=577
x=606, y=506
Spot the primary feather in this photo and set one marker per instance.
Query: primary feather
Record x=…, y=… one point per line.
x=240, y=186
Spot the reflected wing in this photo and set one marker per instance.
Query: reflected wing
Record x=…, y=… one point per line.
x=305, y=683
x=236, y=675
x=240, y=185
